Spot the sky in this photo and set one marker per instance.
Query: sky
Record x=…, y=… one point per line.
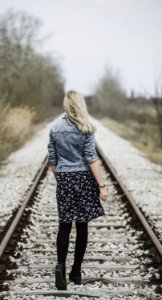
x=88, y=36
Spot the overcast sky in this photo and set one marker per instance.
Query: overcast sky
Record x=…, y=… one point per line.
x=90, y=34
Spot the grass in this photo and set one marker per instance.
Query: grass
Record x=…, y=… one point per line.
x=17, y=126
x=143, y=137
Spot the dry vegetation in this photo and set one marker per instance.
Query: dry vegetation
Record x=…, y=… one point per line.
x=141, y=138
x=32, y=89
x=31, y=83
x=136, y=120
x=15, y=128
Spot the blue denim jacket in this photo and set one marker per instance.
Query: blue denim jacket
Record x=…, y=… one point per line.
x=69, y=149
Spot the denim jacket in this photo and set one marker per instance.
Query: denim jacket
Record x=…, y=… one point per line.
x=69, y=149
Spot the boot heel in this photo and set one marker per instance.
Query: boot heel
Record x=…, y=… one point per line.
x=59, y=278
x=75, y=278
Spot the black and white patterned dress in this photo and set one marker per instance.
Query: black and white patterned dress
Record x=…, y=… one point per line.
x=77, y=195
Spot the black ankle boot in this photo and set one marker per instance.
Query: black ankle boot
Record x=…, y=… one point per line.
x=60, y=279
x=75, y=276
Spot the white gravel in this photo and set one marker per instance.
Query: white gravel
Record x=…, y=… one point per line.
x=23, y=164
x=141, y=177
x=40, y=234
x=17, y=173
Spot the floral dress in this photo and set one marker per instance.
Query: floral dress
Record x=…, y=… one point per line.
x=77, y=195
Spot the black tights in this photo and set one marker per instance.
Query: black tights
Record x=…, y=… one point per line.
x=62, y=243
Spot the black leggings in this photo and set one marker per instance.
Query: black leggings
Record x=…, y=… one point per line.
x=62, y=243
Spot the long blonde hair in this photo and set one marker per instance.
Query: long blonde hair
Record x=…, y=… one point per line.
x=76, y=110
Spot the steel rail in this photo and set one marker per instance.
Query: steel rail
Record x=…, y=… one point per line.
x=131, y=200
x=108, y=165
x=113, y=172
x=21, y=209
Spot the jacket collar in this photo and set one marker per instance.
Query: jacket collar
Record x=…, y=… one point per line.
x=66, y=117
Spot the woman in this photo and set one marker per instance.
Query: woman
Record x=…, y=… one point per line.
x=73, y=159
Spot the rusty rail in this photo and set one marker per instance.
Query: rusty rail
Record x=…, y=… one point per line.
x=113, y=172
x=29, y=197
x=131, y=200
x=21, y=209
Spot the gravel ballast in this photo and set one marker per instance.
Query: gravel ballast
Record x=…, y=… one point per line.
x=141, y=177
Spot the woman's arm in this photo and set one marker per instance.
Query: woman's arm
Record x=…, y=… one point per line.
x=52, y=153
x=91, y=157
x=95, y=168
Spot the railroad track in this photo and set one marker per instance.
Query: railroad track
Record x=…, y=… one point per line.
x=123, y=256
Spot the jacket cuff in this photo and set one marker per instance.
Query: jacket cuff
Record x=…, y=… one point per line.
x=91, y=158
x=51, y=162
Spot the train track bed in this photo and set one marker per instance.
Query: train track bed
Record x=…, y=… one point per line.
x=120, y=260
x=130, y=164
x=141, y=177
x=17, y=174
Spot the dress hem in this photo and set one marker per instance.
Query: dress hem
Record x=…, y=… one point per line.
x=84, y=221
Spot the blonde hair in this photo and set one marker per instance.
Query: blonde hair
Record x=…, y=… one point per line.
x=76, y=110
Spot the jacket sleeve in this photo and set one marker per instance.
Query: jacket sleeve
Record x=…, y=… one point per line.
x=90, y=153
x=52, y=151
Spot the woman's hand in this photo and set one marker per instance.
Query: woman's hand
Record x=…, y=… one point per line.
x=103, y=194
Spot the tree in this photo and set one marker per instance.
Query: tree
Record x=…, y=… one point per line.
x=26, y=75
x=109, y=96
